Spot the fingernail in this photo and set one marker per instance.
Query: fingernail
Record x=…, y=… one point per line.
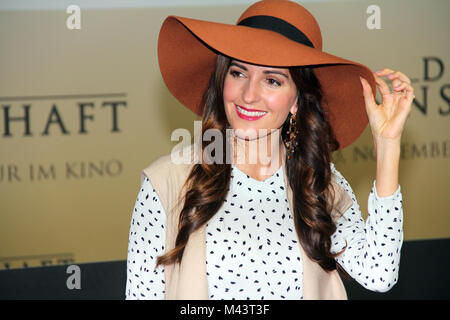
x=378, y=71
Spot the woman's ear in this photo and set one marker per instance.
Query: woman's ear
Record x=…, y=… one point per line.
x=294, y=106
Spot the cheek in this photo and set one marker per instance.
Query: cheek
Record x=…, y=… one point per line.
x=229, y=90
x=280, y=103
x=229, y=95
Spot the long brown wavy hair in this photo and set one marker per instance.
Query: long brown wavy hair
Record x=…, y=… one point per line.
x=308, y=170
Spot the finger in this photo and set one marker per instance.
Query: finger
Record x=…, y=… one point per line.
x=367, y=92
x=391, y=75
x=383, y=71
x=384, y=89
x=405, y=92
x=410, y=95
x=409, y=92
x=386, y=72
x=398, y=75
x=397, y=82
x=404, y=87
x=401, y=86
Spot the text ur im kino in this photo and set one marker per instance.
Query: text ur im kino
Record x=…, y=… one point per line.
x=69, y=170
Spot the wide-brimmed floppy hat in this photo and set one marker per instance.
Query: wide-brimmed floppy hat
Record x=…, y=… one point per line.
x=276, y=33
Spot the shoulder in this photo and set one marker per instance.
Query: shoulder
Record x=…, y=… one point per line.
x=339, y=178
x=172, y=165
x=342, y=191
x=168, y=173
x=334, y=170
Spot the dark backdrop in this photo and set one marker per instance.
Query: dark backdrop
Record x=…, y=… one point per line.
x=424, y=274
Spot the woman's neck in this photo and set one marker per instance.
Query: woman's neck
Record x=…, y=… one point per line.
x=259, y=158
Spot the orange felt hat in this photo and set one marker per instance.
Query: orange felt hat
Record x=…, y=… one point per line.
x=277, y=33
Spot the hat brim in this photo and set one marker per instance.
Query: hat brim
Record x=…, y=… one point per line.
x=187, y=50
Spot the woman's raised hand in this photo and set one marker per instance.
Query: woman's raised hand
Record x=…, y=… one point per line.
x=387, y=119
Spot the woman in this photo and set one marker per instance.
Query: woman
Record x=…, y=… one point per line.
x=283, y=226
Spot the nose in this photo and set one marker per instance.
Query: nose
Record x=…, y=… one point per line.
x=250, y=93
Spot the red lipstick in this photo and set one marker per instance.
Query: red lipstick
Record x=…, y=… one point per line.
x=247, y=117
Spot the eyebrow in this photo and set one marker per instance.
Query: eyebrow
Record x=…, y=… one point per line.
x=265, y=71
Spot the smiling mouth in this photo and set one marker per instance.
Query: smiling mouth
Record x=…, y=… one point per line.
x=249, y=115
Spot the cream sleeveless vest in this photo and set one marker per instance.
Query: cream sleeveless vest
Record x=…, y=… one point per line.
x=187, y=280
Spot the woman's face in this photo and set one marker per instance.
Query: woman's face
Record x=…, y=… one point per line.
x=257, y=97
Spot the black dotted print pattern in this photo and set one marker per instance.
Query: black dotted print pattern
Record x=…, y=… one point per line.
x=145, y=243
x=252, y=248
x=372, y=256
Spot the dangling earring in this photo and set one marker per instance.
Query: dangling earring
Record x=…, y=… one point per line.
x=291, y=141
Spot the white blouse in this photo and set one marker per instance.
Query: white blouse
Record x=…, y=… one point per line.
x=252, y=249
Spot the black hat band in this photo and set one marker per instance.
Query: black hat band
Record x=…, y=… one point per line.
x=277, y=25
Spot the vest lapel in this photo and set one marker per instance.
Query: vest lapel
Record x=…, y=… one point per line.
x=185, y=281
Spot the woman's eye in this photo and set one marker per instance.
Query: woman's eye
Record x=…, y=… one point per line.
x=273, y=82
x=235, y=74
